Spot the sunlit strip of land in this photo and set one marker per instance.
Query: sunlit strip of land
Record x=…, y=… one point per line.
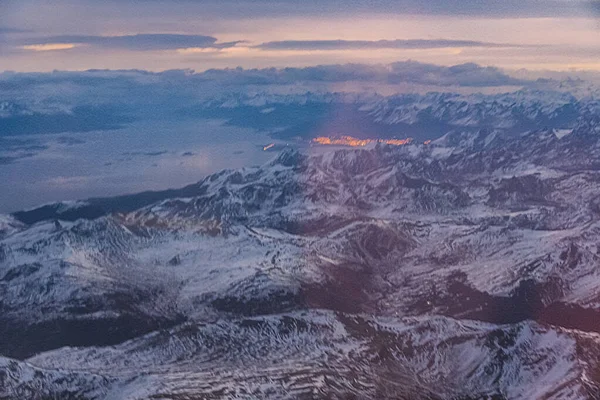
x=355, y=142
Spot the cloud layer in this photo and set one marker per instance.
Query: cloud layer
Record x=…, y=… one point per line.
x=7, y=30
x=251, y=8
x=401, y=72
x=139, y=42
x=81, y=34
x=376, y=44
x=150, y=42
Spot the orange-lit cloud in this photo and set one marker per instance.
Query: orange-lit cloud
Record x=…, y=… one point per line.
x=50, y=46
x=199, y=50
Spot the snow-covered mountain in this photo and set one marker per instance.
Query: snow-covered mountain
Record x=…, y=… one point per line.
x=422, y=116
x=463, y=269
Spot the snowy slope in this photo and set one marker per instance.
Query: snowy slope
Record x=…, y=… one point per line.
x=461, y=269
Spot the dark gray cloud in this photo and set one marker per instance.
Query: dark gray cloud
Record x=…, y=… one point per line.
x=106, y=85
x=139, y=42
x=375, y=44
x=5, y=34
x=594, y=7
x=12, y=150
x=267, y=8
x=4, y=30
x=146, y=153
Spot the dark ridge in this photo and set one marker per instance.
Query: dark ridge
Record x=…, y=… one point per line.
x=571, y=316
x=531, y=300
x=52, y=212
x=522, y=191
x=101, y=206
x=275, y=303
x=21, y=340
x=20, y=271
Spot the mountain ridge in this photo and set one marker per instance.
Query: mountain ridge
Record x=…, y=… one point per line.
x=465, y=268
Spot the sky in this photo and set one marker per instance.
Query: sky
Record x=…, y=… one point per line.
x=155, y=35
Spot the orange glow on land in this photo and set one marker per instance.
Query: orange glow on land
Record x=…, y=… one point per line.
x=267, y=147
x=355, y=142
x=427, y=142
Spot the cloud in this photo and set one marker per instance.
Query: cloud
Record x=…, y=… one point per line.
x=235, y=9
x=12, y=150
x=375, y=44
x=5, y=30
x=126, y=87
x=146, y=153
x=139, y=42
x=468, y=74
x=69, y=181
x=5, y=34
x=50, y=46
x=401, y=72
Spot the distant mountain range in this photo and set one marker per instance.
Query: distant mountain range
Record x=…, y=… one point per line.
x=421, y=116
x=302, y=113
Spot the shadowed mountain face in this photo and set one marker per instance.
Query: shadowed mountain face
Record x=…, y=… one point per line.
x=462, y=269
